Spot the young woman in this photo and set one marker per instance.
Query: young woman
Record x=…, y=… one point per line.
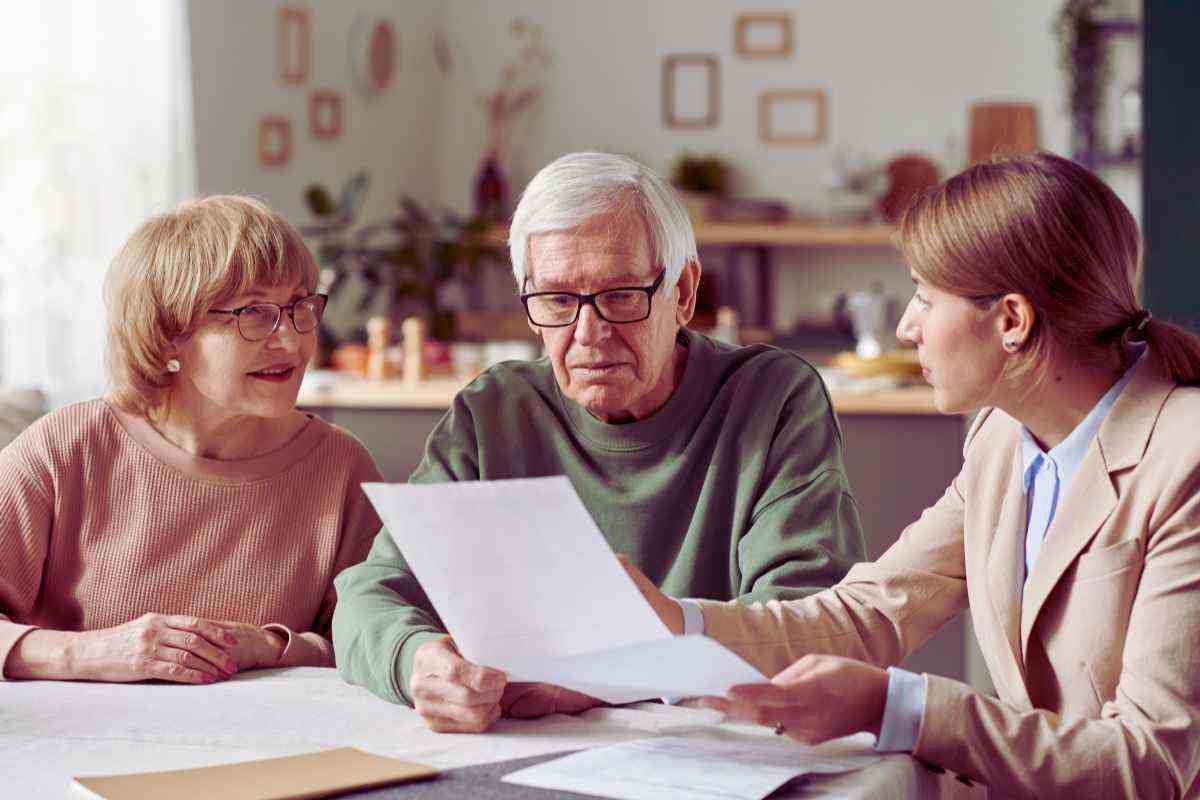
x=1072, y=532
x=190, y=525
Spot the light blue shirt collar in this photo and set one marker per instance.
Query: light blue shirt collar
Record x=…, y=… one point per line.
x=1068, y=453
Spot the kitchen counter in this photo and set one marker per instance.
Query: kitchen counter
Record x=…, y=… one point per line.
x=438, y=393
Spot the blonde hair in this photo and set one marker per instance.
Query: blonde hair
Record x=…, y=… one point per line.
x=1046, y=228
x=174, y=268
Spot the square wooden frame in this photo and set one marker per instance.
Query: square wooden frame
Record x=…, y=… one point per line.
x=741, y=29
x=713, y=115
x=293, y=67
x=267, y=155
x=318, y=101
x=814, y=96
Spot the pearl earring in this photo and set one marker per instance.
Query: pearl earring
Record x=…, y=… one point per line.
x=1010, y=345
x=173, y=365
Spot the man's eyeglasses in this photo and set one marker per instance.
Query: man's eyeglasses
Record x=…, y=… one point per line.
x=257, y=322
x=619, y=306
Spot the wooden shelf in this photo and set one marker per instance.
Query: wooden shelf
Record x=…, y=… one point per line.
x=795, y=233
x=789, y=233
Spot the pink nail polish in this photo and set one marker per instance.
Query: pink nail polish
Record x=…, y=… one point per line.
x=209, y=679
x=230, y=639
x=233, y=667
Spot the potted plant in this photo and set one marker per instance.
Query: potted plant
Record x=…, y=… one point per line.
x=393, y=267
x=700, y=180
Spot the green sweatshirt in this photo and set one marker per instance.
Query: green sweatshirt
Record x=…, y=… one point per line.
x=734, y=489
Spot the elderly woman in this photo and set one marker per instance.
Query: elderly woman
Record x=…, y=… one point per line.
x=1072, y=533
x=189, y=525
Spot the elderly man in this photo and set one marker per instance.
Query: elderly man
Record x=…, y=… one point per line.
x=716, y=469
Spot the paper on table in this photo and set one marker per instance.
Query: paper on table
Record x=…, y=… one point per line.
x=290, y=778
x=526, y=583
x=676, y=768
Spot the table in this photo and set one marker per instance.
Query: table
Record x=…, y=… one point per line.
x=51, y=731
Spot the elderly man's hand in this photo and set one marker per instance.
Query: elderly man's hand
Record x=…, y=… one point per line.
x=817, y=698
x=528, y=700
x=666, y=608
x=450, y=693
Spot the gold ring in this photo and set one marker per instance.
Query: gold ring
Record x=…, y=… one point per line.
x=780, y=728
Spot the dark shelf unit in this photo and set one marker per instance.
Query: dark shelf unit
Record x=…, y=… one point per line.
x=1092, y=36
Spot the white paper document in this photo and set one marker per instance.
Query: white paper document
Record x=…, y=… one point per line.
x=526, y=583
x=677, y=768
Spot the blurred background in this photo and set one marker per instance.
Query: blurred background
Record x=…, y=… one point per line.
x=397, y=135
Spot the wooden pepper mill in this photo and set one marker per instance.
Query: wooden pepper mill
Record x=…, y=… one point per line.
x=379, y=336
x=412, y=330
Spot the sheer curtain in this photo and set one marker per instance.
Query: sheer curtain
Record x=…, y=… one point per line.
x=95, y=135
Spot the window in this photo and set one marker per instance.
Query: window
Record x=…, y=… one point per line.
x=95, y=136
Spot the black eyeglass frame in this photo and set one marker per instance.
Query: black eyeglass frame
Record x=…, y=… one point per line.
x=290, y=308
x=590, y=299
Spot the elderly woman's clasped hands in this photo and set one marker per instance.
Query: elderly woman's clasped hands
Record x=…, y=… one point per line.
x=170, y=647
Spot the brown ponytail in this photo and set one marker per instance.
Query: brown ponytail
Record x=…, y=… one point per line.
x=1045, y=227
x=1176, y=349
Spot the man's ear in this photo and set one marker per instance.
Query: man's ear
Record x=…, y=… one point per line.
x=685, y=292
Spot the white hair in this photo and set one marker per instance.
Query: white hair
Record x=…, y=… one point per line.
x=578, y=187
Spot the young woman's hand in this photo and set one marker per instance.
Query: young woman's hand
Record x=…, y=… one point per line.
x=815, y=699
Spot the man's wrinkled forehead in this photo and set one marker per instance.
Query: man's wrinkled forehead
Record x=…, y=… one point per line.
x=607, y=249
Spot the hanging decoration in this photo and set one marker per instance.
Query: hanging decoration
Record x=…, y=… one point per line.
x=374, y=54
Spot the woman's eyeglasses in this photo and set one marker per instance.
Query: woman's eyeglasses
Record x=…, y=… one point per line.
x=257, y=322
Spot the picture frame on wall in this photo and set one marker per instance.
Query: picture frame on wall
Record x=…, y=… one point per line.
x=763, y=35
x=324, y=114
x=294, y=46
x=793, y=116
x=691, y=91
x=274, y=141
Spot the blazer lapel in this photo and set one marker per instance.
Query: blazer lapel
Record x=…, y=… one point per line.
x=1006, y=571
x=1119, y=445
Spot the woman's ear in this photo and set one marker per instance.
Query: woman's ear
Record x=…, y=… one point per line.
x=1015, y=321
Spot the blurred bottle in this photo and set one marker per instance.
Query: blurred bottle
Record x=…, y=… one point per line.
x=379, y=336
x=726, y=329
x=490, y=189
x=869, y=315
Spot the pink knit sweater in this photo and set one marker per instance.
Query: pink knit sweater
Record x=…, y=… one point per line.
x=103, y=520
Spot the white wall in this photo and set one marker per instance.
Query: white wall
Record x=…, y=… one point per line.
x=899, y=77
x=392, y=136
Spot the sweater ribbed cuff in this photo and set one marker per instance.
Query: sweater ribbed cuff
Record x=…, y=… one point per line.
x=302, y=649
x=402, y=669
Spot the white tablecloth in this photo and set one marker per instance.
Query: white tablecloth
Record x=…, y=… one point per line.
x=52, y=731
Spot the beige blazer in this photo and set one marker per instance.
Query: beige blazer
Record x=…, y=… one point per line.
x=1097, y=665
